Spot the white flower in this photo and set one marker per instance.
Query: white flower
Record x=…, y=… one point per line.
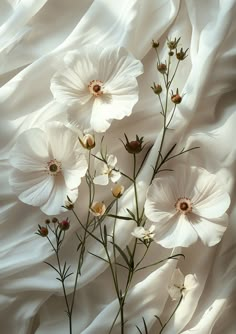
x=106, y=170
x=118, y=190
x=185, y=205
x=146, y=234
x=99, y=84
x=179, y=285
x=48, y=167
x=98, y=209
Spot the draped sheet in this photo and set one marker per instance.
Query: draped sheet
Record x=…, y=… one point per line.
x=35, y=35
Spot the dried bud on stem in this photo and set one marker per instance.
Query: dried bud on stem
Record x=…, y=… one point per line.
x=134, y=146
x=162, y=68
x=157, y=89
x=176, y=98
x=181, y=55
x=64, y=225
x=172, y=44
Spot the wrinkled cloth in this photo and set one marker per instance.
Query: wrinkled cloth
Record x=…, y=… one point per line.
x=35, y=36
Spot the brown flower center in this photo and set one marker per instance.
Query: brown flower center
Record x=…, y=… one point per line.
x=183, y=205
x=96, y=87
x=53, y=167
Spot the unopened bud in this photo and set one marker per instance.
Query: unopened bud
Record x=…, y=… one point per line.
x=176, y=98
x=64, y=224
x=162, y=68
x=54, y=220
x=134, y=146
x=69, y=205
x=173, y=44
x=47, y=221
x=157, y=89
x=42, y=231
x=155, y=44
x=117, y=190
x=88, y=141
x=98, y=209
x=181, y=55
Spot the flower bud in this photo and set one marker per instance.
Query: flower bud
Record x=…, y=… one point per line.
x=42, y=231
x=98, y=209
x=157, y=89
x=88, y=141
x=181, y=55
x=173, y=44
x=69, y=205
x=176, y=98
x=155, y=44
x=54, y=220
x=47, y=221
x=117, y=190
x=134, y=146
x=162, y=68
x=64, y=224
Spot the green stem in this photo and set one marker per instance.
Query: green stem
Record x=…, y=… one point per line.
x=172, y=314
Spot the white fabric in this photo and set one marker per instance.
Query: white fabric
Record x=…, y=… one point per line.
x=34, y=37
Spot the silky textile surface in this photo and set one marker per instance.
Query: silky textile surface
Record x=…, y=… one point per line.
x=35, y=36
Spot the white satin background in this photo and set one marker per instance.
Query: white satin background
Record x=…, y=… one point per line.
x=34, y=37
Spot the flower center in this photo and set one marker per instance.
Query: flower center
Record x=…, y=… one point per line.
x=95, y=87
x=183, y=205
x=53, y=167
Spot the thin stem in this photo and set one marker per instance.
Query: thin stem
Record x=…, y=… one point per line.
x=172, y=314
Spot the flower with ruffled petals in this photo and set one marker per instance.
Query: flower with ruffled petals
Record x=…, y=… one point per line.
x=48, y=167
x=99, y=84
x=187, y=205
x=106, y=170
x=180, y=285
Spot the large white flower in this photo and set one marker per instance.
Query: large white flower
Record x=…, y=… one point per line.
x=99, y=84
x=187, y=204
x=48, y=167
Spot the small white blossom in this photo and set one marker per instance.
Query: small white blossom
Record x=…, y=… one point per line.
x=99, y=84
x=146, y=234
x=48, y=167
x=98, y=209
x=106, y=171
x=186, y=205
x=179, y=285
x=117, y=190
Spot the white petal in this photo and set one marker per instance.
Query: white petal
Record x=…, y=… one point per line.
x=210, y=232
x=115, y=176
x=58, y=196
x=98, y=120
x=62, y=141
x=125, y=65
x=33, y=188
x=112, y=160
x=30, y=152
x=177, y=278
x=139, y=232
x=190, y=282
x=102, y=180
x=210, y=200
x=161, y=198
x=80, y=116
x=176, y=232
x=73, y=176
